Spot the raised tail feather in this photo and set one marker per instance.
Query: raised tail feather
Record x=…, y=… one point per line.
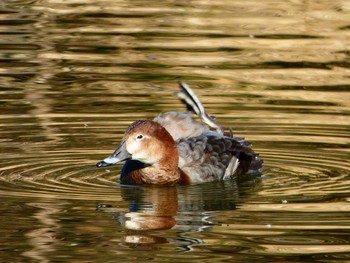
x=193, y=104
x=247, y=161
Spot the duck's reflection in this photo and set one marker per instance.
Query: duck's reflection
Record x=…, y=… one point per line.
x=182, y=209
x=151, y=208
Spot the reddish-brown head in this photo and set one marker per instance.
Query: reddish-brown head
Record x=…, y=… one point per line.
x=150, y=143
x=147, y=142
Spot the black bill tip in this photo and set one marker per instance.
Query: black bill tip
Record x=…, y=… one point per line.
x=102, y=164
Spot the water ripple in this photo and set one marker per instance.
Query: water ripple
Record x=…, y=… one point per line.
x=290, y=170
x=75, y=74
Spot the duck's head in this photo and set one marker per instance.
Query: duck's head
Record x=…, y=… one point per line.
x=144, y=141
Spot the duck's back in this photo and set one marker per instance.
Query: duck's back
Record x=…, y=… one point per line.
x=181, y=124
x=205, y=153
x=212, y=157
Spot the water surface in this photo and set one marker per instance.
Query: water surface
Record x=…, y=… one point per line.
x=75, y=74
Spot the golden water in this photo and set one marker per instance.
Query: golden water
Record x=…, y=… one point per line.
x=74, y=74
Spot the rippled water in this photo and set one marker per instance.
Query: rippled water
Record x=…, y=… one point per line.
x=74, y=74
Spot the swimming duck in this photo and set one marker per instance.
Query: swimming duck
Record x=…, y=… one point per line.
x=174, y=148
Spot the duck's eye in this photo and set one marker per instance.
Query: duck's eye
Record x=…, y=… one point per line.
x=139, y=137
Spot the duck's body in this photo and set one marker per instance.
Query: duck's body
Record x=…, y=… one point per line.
x=175, y=149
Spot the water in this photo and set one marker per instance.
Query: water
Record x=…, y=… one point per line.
x=74, y=74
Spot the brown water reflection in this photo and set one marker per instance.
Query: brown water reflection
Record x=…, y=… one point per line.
x=75, y=74
x=155, y=208
x=182, y=209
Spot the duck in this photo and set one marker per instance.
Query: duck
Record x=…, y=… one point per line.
x=175, y=148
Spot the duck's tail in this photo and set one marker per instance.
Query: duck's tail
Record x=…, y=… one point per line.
x=193, y=104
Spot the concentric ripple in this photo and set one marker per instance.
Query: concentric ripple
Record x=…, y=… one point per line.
x=291, y=168
x=75, y=74
x=55, y=177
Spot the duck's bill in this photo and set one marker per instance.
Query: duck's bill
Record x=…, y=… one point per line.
x=119, y=155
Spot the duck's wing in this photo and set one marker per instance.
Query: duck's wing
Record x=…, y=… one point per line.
x=193, y=104
x=212, y=158
x=181, y=124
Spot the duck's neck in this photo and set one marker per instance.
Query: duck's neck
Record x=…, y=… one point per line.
x=164, y=172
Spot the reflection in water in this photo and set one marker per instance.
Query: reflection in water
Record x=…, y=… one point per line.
x=75, y=74
x=44, y=237
x=185, y=209
x=151, y=208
